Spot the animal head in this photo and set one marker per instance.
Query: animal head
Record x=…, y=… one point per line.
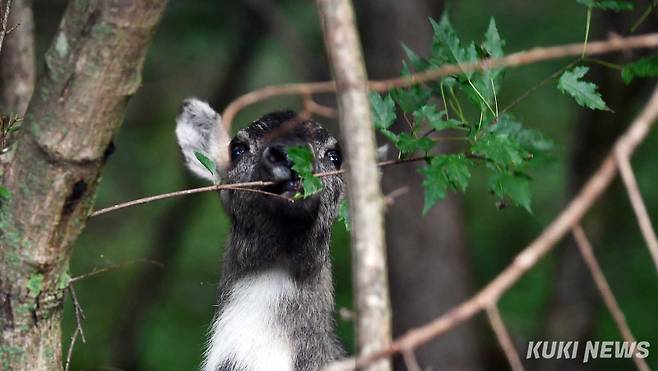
x=258, y=153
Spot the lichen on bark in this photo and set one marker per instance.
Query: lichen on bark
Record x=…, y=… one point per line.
x=92, y=68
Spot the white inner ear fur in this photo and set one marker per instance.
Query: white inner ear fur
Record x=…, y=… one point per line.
x=199, y=129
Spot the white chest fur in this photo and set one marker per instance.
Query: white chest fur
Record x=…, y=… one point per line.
x=248, y=331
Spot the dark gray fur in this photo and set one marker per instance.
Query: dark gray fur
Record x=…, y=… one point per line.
x=268, y=232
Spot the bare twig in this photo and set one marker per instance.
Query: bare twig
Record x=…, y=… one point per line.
x=179, y=193
x=545, y=81
x=113, y=267
x=310, y=107
x=17, y=61
x=604, y=289
x=633, y=190
x=513, y=60
x=525, y=260
x=389, y=198
x=234, y=186
x=69, y=353
x=3, y=22
x=79, y=317
x=410, y=360
x=504, y=338
x=79, y=313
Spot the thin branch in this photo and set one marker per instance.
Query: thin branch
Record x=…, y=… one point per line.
x=389, y=198
x=179, y=193
x=504, y=338
x=79, y=317
x=69, y=353
x=410, y=360
x=604, y=289
x=529, y=256
x=310, y=107
x=644, y=15
x=513, y=60
x=113, y=267
x=639, y=208
x=234, y=186
x=3, y=22
x=17, y=61
x=79, y=313
x=545, y=81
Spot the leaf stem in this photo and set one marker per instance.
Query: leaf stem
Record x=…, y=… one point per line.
x=493, y=90
x=481, y=97
x=611, y=65
x=644, y=15
x=445, y=105
x=589, y=19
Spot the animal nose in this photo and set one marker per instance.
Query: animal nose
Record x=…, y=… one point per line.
x=276, y=161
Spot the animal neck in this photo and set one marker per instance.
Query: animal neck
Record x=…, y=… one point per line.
x=276, y=300
x=300, y=247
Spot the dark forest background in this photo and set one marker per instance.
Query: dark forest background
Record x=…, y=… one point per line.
x=142, y=317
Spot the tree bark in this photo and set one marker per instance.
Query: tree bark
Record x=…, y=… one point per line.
x=17, y=62
x=92, y=68
x=436, y=247
x=364, y=193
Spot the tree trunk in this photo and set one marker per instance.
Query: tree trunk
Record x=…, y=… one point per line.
x=92, y=68
x=435, y=246
x=364, y=193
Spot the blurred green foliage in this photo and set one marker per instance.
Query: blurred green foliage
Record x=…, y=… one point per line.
x=192, y=51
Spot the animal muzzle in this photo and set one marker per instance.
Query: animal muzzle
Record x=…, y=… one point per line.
x=278, y=168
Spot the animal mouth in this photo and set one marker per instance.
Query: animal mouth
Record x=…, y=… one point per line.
x=286, y=188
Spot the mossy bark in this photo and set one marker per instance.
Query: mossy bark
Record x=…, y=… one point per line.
x=92, y=68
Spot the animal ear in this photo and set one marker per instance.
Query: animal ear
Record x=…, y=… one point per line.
x=202, y=137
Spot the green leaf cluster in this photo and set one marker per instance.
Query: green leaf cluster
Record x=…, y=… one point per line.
x=442, y=110
x=302, y=159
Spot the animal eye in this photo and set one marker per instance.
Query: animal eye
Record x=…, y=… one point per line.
x=237, y=150
x=335, y=157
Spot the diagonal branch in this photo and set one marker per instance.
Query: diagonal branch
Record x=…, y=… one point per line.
x=525, y=260
x=504, y=338
x=604, y=289
x=513, y=60
x=633, y=190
